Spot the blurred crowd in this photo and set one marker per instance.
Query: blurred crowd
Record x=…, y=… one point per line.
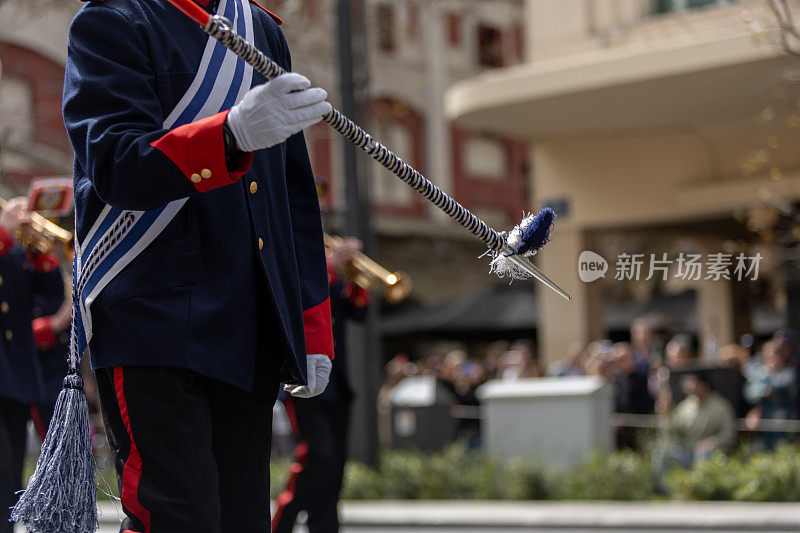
x=707, y=398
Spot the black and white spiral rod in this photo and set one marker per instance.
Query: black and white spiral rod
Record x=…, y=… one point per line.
x=510, y=254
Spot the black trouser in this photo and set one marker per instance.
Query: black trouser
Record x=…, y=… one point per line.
x=191, y=453
x=316, y=477
x=13, y=430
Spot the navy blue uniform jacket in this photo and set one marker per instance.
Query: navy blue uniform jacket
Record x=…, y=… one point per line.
x=248, y=242
x=23, y=278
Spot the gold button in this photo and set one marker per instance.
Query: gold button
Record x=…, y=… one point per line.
x=196, y=178
x=260, y=243
x=205, y=173
x=1, y=280
x=253, y=187
x=2, y=245
x=4, y=307
x=9, y=335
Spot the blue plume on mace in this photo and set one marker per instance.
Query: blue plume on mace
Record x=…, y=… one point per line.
x=537, y=232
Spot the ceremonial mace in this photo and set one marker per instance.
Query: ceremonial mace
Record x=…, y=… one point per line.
x=510, y=253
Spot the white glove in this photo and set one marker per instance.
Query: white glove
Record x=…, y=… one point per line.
x=319, y=370
x=271, y=113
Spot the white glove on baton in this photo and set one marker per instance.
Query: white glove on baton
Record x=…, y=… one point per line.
x=271, y=113
x=319, y=370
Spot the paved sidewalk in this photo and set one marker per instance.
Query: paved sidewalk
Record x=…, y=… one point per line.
x=696, y=516
x=616, y=516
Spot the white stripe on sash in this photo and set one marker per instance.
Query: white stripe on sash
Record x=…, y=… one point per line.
x=149, y=236
x=247, y=81
x=226, y=72
x=191, y=93
x=79, y=249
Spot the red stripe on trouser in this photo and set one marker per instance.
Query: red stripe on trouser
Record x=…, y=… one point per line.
x=132, y=472
x=301, y=456
x=38, y=423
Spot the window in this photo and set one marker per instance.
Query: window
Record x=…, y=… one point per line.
x=16, y=108
x=387, y=189
x=454, y=25
x=490, y=47
x=667, y=6
x=519, y=41
x=310, y=9
x=485, y=158
x=412, y=22
x=386, y=27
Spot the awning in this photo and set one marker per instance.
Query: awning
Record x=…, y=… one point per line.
x=625, y=87
x=504, y=308
x=512, y=309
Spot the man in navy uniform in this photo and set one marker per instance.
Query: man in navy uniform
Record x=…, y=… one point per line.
x=200, y=267
x=23, y=276
x=321, y=424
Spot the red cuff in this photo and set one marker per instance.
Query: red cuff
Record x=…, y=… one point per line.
x=198, y=149
x=43, y=334
x=6, y=242
x=44, y=262
x=357, y=295
x=318, y=329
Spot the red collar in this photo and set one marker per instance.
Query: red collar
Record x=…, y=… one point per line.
x=275, y=17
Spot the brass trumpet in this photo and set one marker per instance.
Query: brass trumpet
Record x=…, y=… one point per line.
x=367, y=273
x=47, y=233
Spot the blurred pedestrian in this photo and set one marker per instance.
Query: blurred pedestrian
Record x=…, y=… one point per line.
x=702, y=423
x=631, y=393
x=770, y=390
x=574, y=364
x=643, y=342
x=678, y=352
x=734, y=357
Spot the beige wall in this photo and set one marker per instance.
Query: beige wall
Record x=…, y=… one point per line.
x=649, y=178
x=596, y=24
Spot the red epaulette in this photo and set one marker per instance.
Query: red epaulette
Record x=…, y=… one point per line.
x=275, y=17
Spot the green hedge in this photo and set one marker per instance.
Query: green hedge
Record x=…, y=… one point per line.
x=456, y=473
x=762, y=477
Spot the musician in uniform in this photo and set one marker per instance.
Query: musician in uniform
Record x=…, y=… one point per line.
x=24, y=275
x=321, y=424
x=201, y=280
x=51, y=336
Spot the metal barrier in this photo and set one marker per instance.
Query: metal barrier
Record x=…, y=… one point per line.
x=766, y=425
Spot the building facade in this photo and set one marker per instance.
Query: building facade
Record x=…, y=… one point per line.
x=669, y=120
